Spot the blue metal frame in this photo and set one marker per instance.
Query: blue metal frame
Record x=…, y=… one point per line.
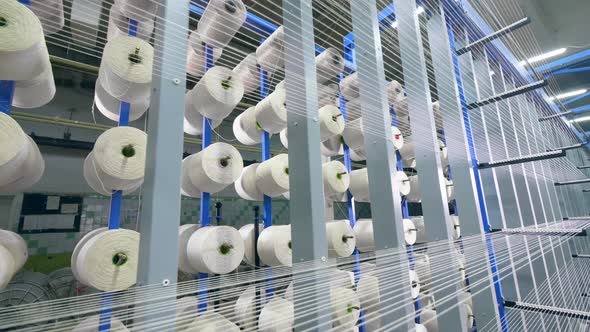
x=566, y=62
x=577, y=98
x=570, y=71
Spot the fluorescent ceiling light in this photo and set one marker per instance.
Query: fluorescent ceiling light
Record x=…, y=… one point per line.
x=569, y=94
x=544, y=56
x=419, y=10
x=584, y=118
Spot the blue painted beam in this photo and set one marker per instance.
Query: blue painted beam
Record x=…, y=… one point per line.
x=573, y=100
x=571, y=71
x=565, y=62
x=581, y=109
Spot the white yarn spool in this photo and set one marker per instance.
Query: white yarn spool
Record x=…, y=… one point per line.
x=469, y=316
x=276, y=316
x=422, y=268
x=108, y=260
x=427, y=301
x=196, y=56
x=407, y=149
x=403, y=123
x=359, y=185
x=215, y=167
x=271, y=112
x=353, y=134
x=420, y=229
x=274, y=246
x=91, y=175
x=398, y=138
x=331, y=122
x=409, y=231
x=465, y=298
x=7, y=266
x=341, y=240
x=428, y=318
x=248, y=71
x=247, y=234
x=110, y=106
x=284, y=136
x=126, y=68
x=357, y=155
x=368, y=291
x=185, y=311
x=92, y=324
x=456, y=227
x=31, y=170
x=270, y=53
x=245, y=307
x=217, y=93
x=50, y=13
x=363, y=232
x=220, y=21
x=450, y=189
x=415, y=194
x=119, y=157
x=332, y=147
x=328, y=64
x=246, y=186
x=414, y=284
x=119, y=24
x=353, y=109
x=400, y=107
x=187, y=188
x=349, y=86
x=215, y=249
x=139, y=10
x=395, y=92
x=420, y=328
x=328, y=95
x=184, y=234
x=17, y=247
x=15, y=149
x=336, y=178
x=193, y=120
x=246, y=130
x=402, y=180
x=23, y=54
x=345, y=307
x=78, y=248
x=272, y=175
x=438, y=120
x=444, y=153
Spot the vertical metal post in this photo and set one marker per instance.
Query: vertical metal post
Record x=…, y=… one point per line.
x=308, y=229
x=6, y=94
x=459, y=146
x=160, y=210
x=381, y=161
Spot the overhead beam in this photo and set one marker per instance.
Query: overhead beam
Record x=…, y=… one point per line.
x=573, y=100
x=495, y=35
x=565, y=62
x=571, y=71
x=508, y=94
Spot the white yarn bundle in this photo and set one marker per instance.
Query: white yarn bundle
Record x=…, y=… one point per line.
x=119, y=158
x=404, y=183
x=126, y=68
x=93, y=323
x=328, y=95
x=278, y=315
x=345, y=307
x=247, y=233
x=333, y=146
x=395, y=92
x=139, y=10
x=50, y=13
x=193, y=120
x=212, y=321
x=246, y=186
x=398, y=138
x=407, y=150
x=400, y=107
x=23, y=54
x=415, y=194
x=336, y=178
x=78, y=248
x=217, y=94
x=274, y=246
x=119, y=24
x=272, y=175
x=331, y=122
x=450, y=188
x=13, y=255
x=456, y=227
x=438, y=119
x=184, y=234
x=359, y=185
x=187, y=188
x=215, y=249
x=353, y=109
x=30, y=171
x=349, y=86
x=248, y=71
x=409, y=231
x=363, y=232
x=110, y=106
x=341, y=240
x=428, y=318
x=246, y=129
x=270, y=53
x=108, y=260
x=91, y=175
x=328, y=64
x=353, y=134
x=271, y=112
x=7, y=266
x=245, y=307
x=214, y=168
x=422, y=268
x=414, y=284
x=284, y=136
x=220, y=21
x=196, y=56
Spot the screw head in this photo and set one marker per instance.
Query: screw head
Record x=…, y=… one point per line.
x=165, y=282
x=176, y=81
x=323, y=258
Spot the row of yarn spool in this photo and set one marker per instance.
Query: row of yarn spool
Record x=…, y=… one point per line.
x=13, y=255
x=24, y=57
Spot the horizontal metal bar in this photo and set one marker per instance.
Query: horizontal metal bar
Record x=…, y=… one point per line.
x=584, y=167
x=508, y=94
x=569, y=147
x=547, y=309
x=525, y=159
x=554, y=116
x=580, y=256
x=586, y=190
x=542, y=231
x=495, y=35
x=566, y=183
